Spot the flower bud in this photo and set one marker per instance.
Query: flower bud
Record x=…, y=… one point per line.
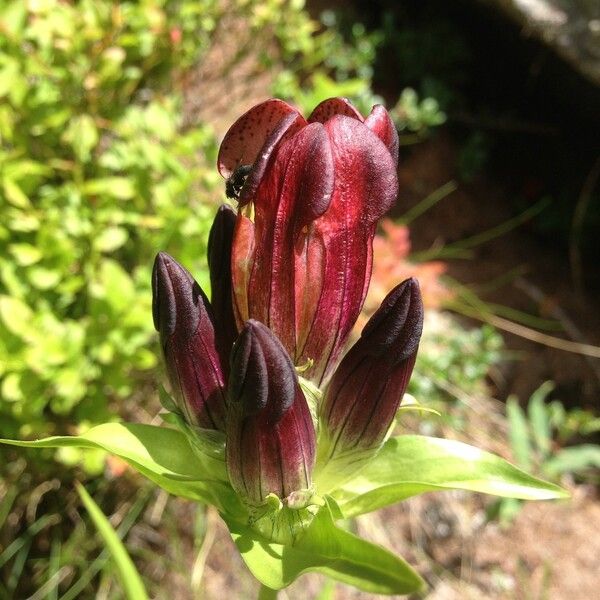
x=367, y=387
x=219, y=264
x=182, y=316
x=270, y=435
x=302, y=247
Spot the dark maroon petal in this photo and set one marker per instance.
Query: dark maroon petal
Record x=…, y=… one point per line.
x=288, y=126
x=367, y=387
x=295, y=191
x=331, y=107
x=397, y=322
x=219, y=263
x=365, y=188
x=270, y=435
x=183, y=318
x=381, y=124
x=242, y=143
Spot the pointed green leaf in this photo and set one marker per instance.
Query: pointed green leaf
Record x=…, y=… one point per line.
x=162, y=454
x=539, y=418
x=128, y=574
x=409, y=465
x=329, y=550
x=520, y=441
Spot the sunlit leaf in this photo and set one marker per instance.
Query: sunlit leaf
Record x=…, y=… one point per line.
x=330, y=550
x=162, y=454
x=409, y=465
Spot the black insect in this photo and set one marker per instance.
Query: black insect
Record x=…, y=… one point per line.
x=235, y=182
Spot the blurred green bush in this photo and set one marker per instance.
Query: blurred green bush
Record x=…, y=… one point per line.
x=95, y=176
x=97, y=173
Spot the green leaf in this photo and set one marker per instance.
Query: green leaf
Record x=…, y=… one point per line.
x=16, y=315
x=14, y=194
x=329, y=550
x=117, y=187
x=25, y=254
x=162, y=454
x=518, y=433
x=128, y=575
x=573, y=460
x=409, y=465
x=82, y=135
x=110, y=239
x=539, y=417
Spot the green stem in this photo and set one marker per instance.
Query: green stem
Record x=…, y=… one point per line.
x=266, y=593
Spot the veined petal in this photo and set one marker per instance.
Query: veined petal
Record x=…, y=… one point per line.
x=288, y=126
x=242, y=261
x=334, y=106
x=295, y=191
x=183, y=317
x=367, y=387
x=219, y=263
x=270, y=435
x=381, y=124
x=365, y=188
x=245, y=138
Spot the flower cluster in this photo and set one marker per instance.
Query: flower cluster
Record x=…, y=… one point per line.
x=263, y=361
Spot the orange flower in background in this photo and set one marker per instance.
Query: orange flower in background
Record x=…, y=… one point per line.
x=391, y=264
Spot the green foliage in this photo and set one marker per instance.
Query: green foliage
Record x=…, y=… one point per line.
x=532, y=434
x=95, y=176
x=452, y=355
x=336, y=58
x=405, y=466
x=412, y=114
x=320, y=63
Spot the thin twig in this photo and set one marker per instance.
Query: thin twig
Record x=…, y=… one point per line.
x=560, y=315
x=531, y=334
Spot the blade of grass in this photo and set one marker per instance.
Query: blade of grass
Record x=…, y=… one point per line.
x=96, y=566
x=53, y=569
x=50, y=588
x=7, y=502
x=447, y=252
x=464, y=295
x=498, y=230
x=520, y=440
x=17, y=569
x=531, y=334
x=427, y=202
x=31, y=531
x=131, y=581
x=461, y=248
x=579, y=213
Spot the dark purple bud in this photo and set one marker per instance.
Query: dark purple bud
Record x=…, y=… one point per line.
x=270, y=434
x=367, y=387
x=219, y=263
x=182, y=316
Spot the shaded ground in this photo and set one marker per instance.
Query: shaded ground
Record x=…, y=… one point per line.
x=536, y=273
